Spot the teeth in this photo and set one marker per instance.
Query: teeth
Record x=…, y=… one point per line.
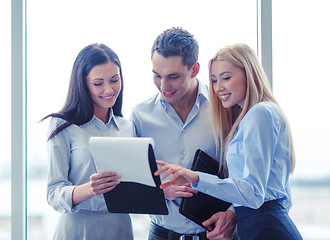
x=106, y=98
x=224, y=96
x=168, y=93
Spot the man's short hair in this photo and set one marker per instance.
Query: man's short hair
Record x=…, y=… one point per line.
x=177, y=42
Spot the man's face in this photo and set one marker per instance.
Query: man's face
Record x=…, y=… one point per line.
x=171, y=77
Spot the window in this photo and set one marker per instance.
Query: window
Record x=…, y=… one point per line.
x=5, y=123
x=58, y=31
x=301, y=85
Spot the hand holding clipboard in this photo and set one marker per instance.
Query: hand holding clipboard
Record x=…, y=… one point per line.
x=133, y=160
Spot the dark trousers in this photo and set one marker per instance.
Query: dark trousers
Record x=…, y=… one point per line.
x=159, y=233
x=270, y=221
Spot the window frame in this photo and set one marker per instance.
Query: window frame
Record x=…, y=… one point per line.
x=18, y=121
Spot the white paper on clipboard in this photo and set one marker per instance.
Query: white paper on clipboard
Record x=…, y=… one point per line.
x=126, y=156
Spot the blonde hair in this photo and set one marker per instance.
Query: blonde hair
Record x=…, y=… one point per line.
x=226, y=120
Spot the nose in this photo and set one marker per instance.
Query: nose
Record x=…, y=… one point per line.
x=218, y=87
x=164, y=84
x=107, y=88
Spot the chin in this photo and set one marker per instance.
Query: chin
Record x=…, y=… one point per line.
x=227, y=105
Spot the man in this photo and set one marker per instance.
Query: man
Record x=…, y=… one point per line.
x=177, y=118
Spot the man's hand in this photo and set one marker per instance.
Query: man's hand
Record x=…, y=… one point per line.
x=174, y=191
x=225, y=223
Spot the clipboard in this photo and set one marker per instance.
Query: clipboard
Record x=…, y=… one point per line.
x=134, y=160
x=200, y=206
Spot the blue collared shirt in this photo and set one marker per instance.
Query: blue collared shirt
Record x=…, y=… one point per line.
x=258, y=161
x=176, y=142
x=71, y=163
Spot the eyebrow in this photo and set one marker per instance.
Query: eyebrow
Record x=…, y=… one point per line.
x=224, y=73
x=102, y=79
x=171, y=74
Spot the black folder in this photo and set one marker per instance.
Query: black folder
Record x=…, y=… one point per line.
x=137, y=193
x=132, y=197
x=200, y=206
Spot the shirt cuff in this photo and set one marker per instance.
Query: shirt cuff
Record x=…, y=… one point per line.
x=204, y=185
x=204, y=180
x=232, y=208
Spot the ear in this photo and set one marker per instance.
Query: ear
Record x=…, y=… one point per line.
x=195, y=69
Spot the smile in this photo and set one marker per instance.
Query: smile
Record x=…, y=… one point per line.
x=108, y=97
x=224, y=97
x=169, y=94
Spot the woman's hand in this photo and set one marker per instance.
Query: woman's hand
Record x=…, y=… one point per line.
x=174, y=191
x=103, y=182
x=99, y=183
x=179, y=175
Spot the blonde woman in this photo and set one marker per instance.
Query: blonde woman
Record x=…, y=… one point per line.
x=257, y=153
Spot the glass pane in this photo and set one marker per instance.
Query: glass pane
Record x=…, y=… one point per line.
x=5, y=124
x=57, y=31
x=301, y=83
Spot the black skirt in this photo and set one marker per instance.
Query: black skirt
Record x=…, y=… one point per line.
x=270, y=221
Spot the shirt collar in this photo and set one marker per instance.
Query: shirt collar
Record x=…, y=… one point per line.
x=203, y=90
x=112, y=119
x=159, y=99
